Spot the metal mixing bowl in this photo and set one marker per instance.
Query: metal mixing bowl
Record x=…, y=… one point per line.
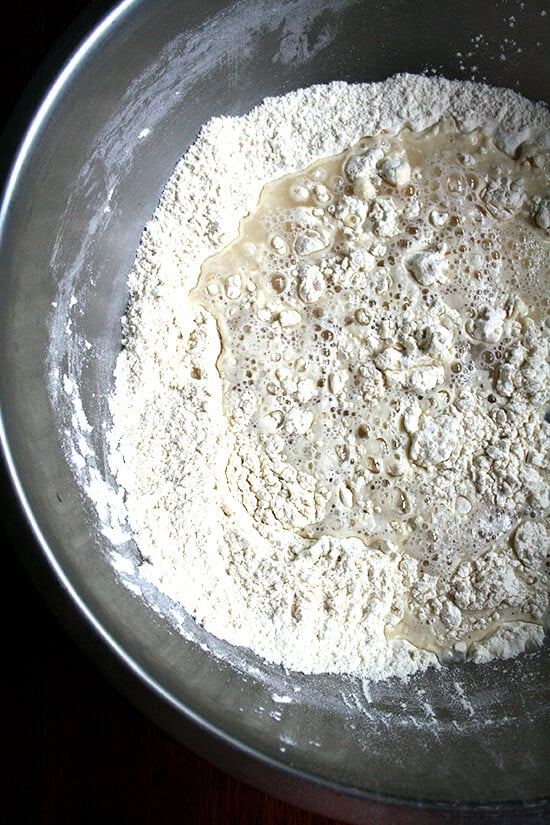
x=87, y=176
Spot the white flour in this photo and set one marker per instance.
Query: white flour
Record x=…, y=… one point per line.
x=248, y=566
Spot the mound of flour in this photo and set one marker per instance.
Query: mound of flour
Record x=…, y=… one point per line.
x=314, y=606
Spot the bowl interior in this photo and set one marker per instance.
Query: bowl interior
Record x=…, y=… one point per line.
x=87, y=179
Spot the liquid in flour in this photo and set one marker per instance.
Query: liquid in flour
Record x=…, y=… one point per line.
x=368, y=314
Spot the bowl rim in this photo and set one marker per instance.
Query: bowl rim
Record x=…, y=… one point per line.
x=20, y=132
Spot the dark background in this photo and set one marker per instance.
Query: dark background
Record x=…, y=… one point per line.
x=77, y=751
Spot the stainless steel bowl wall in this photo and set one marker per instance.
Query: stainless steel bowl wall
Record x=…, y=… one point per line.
x=87, y=177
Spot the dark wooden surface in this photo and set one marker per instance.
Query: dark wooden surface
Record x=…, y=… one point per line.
x=78, y=751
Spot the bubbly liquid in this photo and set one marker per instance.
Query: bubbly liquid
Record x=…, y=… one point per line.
x=365, y=312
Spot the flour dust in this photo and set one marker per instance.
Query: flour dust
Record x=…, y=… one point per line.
x=330, y=413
